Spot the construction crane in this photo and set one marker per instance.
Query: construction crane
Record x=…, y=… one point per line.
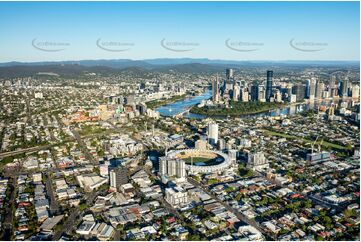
x=319, y=145
x=313, y=144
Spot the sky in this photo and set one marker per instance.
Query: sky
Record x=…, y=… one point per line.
x=55, y=31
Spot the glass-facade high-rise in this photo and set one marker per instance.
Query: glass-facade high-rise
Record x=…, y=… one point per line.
x=269, y=84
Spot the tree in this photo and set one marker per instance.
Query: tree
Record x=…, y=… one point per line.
x=319, y=238
x=194, y=237
x=229, y=189
x=349, y=213
x=308, y=204
x=82, y=206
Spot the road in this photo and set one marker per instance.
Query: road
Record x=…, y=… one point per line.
x=76, y=213
x=240, y=216
x=54, y=206
x=161, y=199
x=83, y=147
x=9, y=210
x=26, y=150
x=44, y=147
x=70, y=223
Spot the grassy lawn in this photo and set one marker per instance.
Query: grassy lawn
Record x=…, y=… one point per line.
x=157, y=103
x=331, y=145
x=91, y=129
x=325, y=144
x=287, y=136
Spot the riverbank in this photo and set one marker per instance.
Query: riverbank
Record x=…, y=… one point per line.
x=236, y=109
x=176, y=107
x=157, y=103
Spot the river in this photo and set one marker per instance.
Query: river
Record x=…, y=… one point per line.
x=180, y=106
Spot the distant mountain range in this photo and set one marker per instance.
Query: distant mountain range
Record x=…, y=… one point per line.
x=142, y=67
x=152, y=63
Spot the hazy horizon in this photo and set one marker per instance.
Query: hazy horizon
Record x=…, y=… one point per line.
x=175, y=58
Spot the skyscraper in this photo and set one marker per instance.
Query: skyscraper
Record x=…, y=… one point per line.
x=332, y=82
x=236, y=92
x=355, y=91
x=212, y=133
x=262, y=93
x=320, y=87
x=244, y=95
x=299, y=90
x=227, y=88
x=215, y=90
x=229, y=74
x=343, y=88
x=311, y=88
x=255, y=93
x=269, y=85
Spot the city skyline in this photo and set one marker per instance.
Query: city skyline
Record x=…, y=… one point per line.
x=180, y=121
x=272, y=31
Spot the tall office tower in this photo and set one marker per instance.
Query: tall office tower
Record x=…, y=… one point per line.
x=299, y=90
x=118, y=177
x=333, y=87
x=236, y=93
x=308, y=83
x=262, y=93
x=343, y=88
x=311, y=88
x=255, y=92
x=215, y=90
x=278, y=96
x=320, y=86
x=244, y=95
x=355, y=91
x=229, y=74
x=227, y=87
x=333, y=82
x=269, y=85
x=325, y=94
x=212, y=133
x=333, y=92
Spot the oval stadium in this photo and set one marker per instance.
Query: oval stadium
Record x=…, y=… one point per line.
x=201, y=161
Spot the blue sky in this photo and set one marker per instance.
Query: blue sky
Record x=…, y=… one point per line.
x=330, y=28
